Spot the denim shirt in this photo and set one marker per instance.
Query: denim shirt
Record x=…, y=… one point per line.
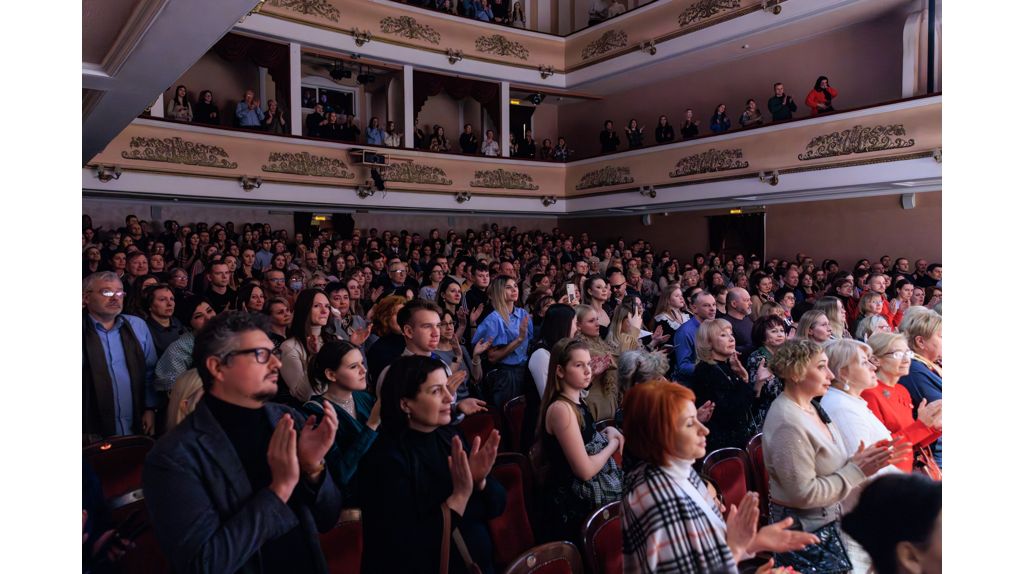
x=248, y=118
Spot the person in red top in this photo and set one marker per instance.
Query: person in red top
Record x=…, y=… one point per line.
x=891, y=402
x=820, y=98
x=891, y=310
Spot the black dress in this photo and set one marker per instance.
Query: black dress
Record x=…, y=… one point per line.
x=609, y=141
x=404, y=479
x=730, y=424
x=664, y=134
x=206, y=114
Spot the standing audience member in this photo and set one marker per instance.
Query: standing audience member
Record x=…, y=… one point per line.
x=218, y=275
x=781, y=105
x=751, y=116
x=164, y=327
x=768, y=334
x=737, y=312
x=392, y=138
x=489, y=147
x=664, y=132
x=206, y=112
x=467, y=141
x=527, y=148
x=438, y=142
x=193, y=312
x=307, y=335
x=316, y=122
x=609, y=139
x=248, y=112
x=688, y=128
x=703, y=305
x=561, y=151
x=374, y=133
x=510, y=330
x=820, y=98
x=274, y=121
x=719, y=121
x=634, y=135
x=179, y=107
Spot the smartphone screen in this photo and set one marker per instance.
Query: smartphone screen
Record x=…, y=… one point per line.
x=571, y=290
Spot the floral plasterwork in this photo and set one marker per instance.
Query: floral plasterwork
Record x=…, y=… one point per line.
x=609, y=40
x=501, y=179
x=501, y=46
x=177, y=150
x=408, y=28
x=710, y=161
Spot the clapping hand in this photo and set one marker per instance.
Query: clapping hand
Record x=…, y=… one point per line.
x=741, y=525
x=705, y=411
x=524, y=328
x=282, y=459
x=313, y=443
x=312, y=345
x=462, y=477
x=657, y=338
x=930, y=413
x=600, y=364
x=762, y=374
x=474, y=315
x=481, y=458
x=359, y=336
x=778, y=538
x=894, y=305
x=737, y=367
x=482, y=346
x=376, y=293
x=471, y=406
x=455, y=381
x=871, y=460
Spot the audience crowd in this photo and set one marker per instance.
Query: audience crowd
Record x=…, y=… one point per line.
x=289, y=376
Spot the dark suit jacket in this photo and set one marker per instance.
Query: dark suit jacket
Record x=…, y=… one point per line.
x=204, y=514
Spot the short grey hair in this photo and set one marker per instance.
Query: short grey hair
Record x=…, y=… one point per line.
x=89, y=282
x=219, y=336
x=639, y=367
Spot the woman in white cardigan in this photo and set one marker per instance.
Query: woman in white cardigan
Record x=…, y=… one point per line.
x=809, y=467
x=307, y=335
x=850, y=361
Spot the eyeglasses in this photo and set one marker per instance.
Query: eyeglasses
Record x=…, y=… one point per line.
x=619, y=286
x=276, y=280
x=899, y=355
x=399, y=271
x=262, y=354
x=446, y=324
x=109, y=293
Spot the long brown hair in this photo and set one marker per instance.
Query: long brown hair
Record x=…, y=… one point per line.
x=553, y=390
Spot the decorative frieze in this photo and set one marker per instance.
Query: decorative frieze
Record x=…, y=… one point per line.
x=604, y=177
x=608, y=41
x=710, y=161
x=706, y=9
x=501, y=179
x=309, y=7
x=402, y=172
x=857, y=140
x=177, y=150
x=501, y=46
x=303, y=163
x=407, y=27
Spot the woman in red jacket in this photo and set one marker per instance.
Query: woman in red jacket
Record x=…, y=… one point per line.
x=820, y=98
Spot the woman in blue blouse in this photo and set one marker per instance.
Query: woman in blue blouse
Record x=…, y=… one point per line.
x=337, y=374
x=719, y=121
x=512, y=330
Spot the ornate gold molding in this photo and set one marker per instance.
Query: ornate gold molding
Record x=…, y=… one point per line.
x=177, y=150
x=303, y=163
x=501, y=179
x=609, y=40
x=407, y=27
x=501, y=46
x=411, y=173
x=706, y=9
x=710, y=161
x=309, y=8
x=856, y=140
x=605, y=176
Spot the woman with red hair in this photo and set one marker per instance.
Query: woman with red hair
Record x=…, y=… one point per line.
x=671, y=523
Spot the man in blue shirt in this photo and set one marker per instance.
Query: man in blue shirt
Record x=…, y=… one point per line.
x=703, y=304
x=248, y=112
x=118, y=363
x=264, y=255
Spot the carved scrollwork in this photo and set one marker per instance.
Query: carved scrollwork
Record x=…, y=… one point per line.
x=501, y=46
x=710, y=161
x=501, y=179
x=605, y=176
x=408, y=28
x=609, y=40
x=706, y=9
x=310, y=8
x=411, y=173
x=857, y=140
x=303, y=163
x=177, y=150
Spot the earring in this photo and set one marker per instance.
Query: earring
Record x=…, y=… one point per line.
x=846, y=386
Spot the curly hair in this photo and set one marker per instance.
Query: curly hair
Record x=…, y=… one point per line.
x=385, y=309
x=790, y=361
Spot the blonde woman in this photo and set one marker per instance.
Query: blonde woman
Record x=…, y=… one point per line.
x=870, y=304
x=870, y=326
x=923, y=331
x=603, y=398
x=185, y=393
x=814, y=325
x=511, y=330
x=670, y=313
x=832, y=307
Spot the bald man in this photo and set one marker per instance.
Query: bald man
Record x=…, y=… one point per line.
x=738, y=307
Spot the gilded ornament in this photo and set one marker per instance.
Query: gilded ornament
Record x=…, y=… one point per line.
x=857, y=140
x=304, y=163
x=710, y=161
x=501, y=46
x=408, y=28
x=706, y=9
x=411, y=173
x=309, y=7
x=610, y=39
x=177, y=150
x=605, y=176
x=501, y=179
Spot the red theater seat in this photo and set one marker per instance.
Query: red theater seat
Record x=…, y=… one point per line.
x=730, y=468
x=755, y=453
x=343, y=544
x=511, y=532
x=118, y=462
x=550, y=558
x=602, y=540
x=480, y=425
x=515, y=409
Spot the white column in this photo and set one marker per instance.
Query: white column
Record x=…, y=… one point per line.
x=565, y=18
x=263, y=87
x=409, y=140
x=157, y=111
x=295, y=81
x=911, y=41
x=542, y=18
x=505, y=106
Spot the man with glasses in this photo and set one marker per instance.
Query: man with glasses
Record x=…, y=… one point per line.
x=118, y=362
x=398, y=276
x=273, y=283
x=240, y=484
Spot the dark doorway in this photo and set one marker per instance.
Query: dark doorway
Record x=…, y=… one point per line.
x=520, y=119
x=741, y=233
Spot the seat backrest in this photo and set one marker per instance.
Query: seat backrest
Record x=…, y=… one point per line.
x=343, y=545
x=146, y=557
x=512, y=533
x=480, y=425
x=550, y=558
x=603, y=424
x=730, y=469
x=602, y=540
x=118, y=462
x=515, y=409
x=755, y=452
x=540, y=471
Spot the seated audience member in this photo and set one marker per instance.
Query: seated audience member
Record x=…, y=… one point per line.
x=388, y=342
x=664, y=132
x=337, y=374
x=768, y=334
x=467, y=141
x=833, y=309
x=751, y=116
x=374, y=133
x=316, y=123
x=809, y=468
x=577, y=481
x=248, y=112
x=206, y=112
x=671, y=314
x=274, y=121
x=781, y=105
x=164, y=327
x=280, y=313
x=688, y=128
x=932, y=277
x=250, y=298
x=559, y=323
x=118, y=361
x=240, y=485
x=814, y=325
x=609, y=139
x=898, y=521
x=670, y=523
x=184, y=396
x=719, y=121
x=923, y=380
x=871, y=325
x=489, y=147
x=634, y=135
x=218, y=275
x=510, y=330
x=345, y=322
x=786, y=300
x=703, y=305
x=392, y=138
x=420, y=479
x=307, y=335
x=350, y=131
x=598, y=12
x=820, y=98
x=721, y=378
x=561, y=151
x=192, y=313
x=438, y=142
x=528, y=147
x=179, y=107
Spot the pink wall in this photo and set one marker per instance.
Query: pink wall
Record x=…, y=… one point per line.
x=227, y=81
x=545, y=124
x=842, y=229
x=441, y=110
x=862, y=61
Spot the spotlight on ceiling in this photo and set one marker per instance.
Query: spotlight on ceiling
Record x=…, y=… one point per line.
x=537, y=98
x=366, y=78
x=339, y=72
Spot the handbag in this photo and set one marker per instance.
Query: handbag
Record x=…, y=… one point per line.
x=446, y=536
x=924, y=462
x=606, y=485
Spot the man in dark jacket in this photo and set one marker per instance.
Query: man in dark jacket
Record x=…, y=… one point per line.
x=315, y=122
x=737, y=305
x=240, y=484
x=780, y=105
